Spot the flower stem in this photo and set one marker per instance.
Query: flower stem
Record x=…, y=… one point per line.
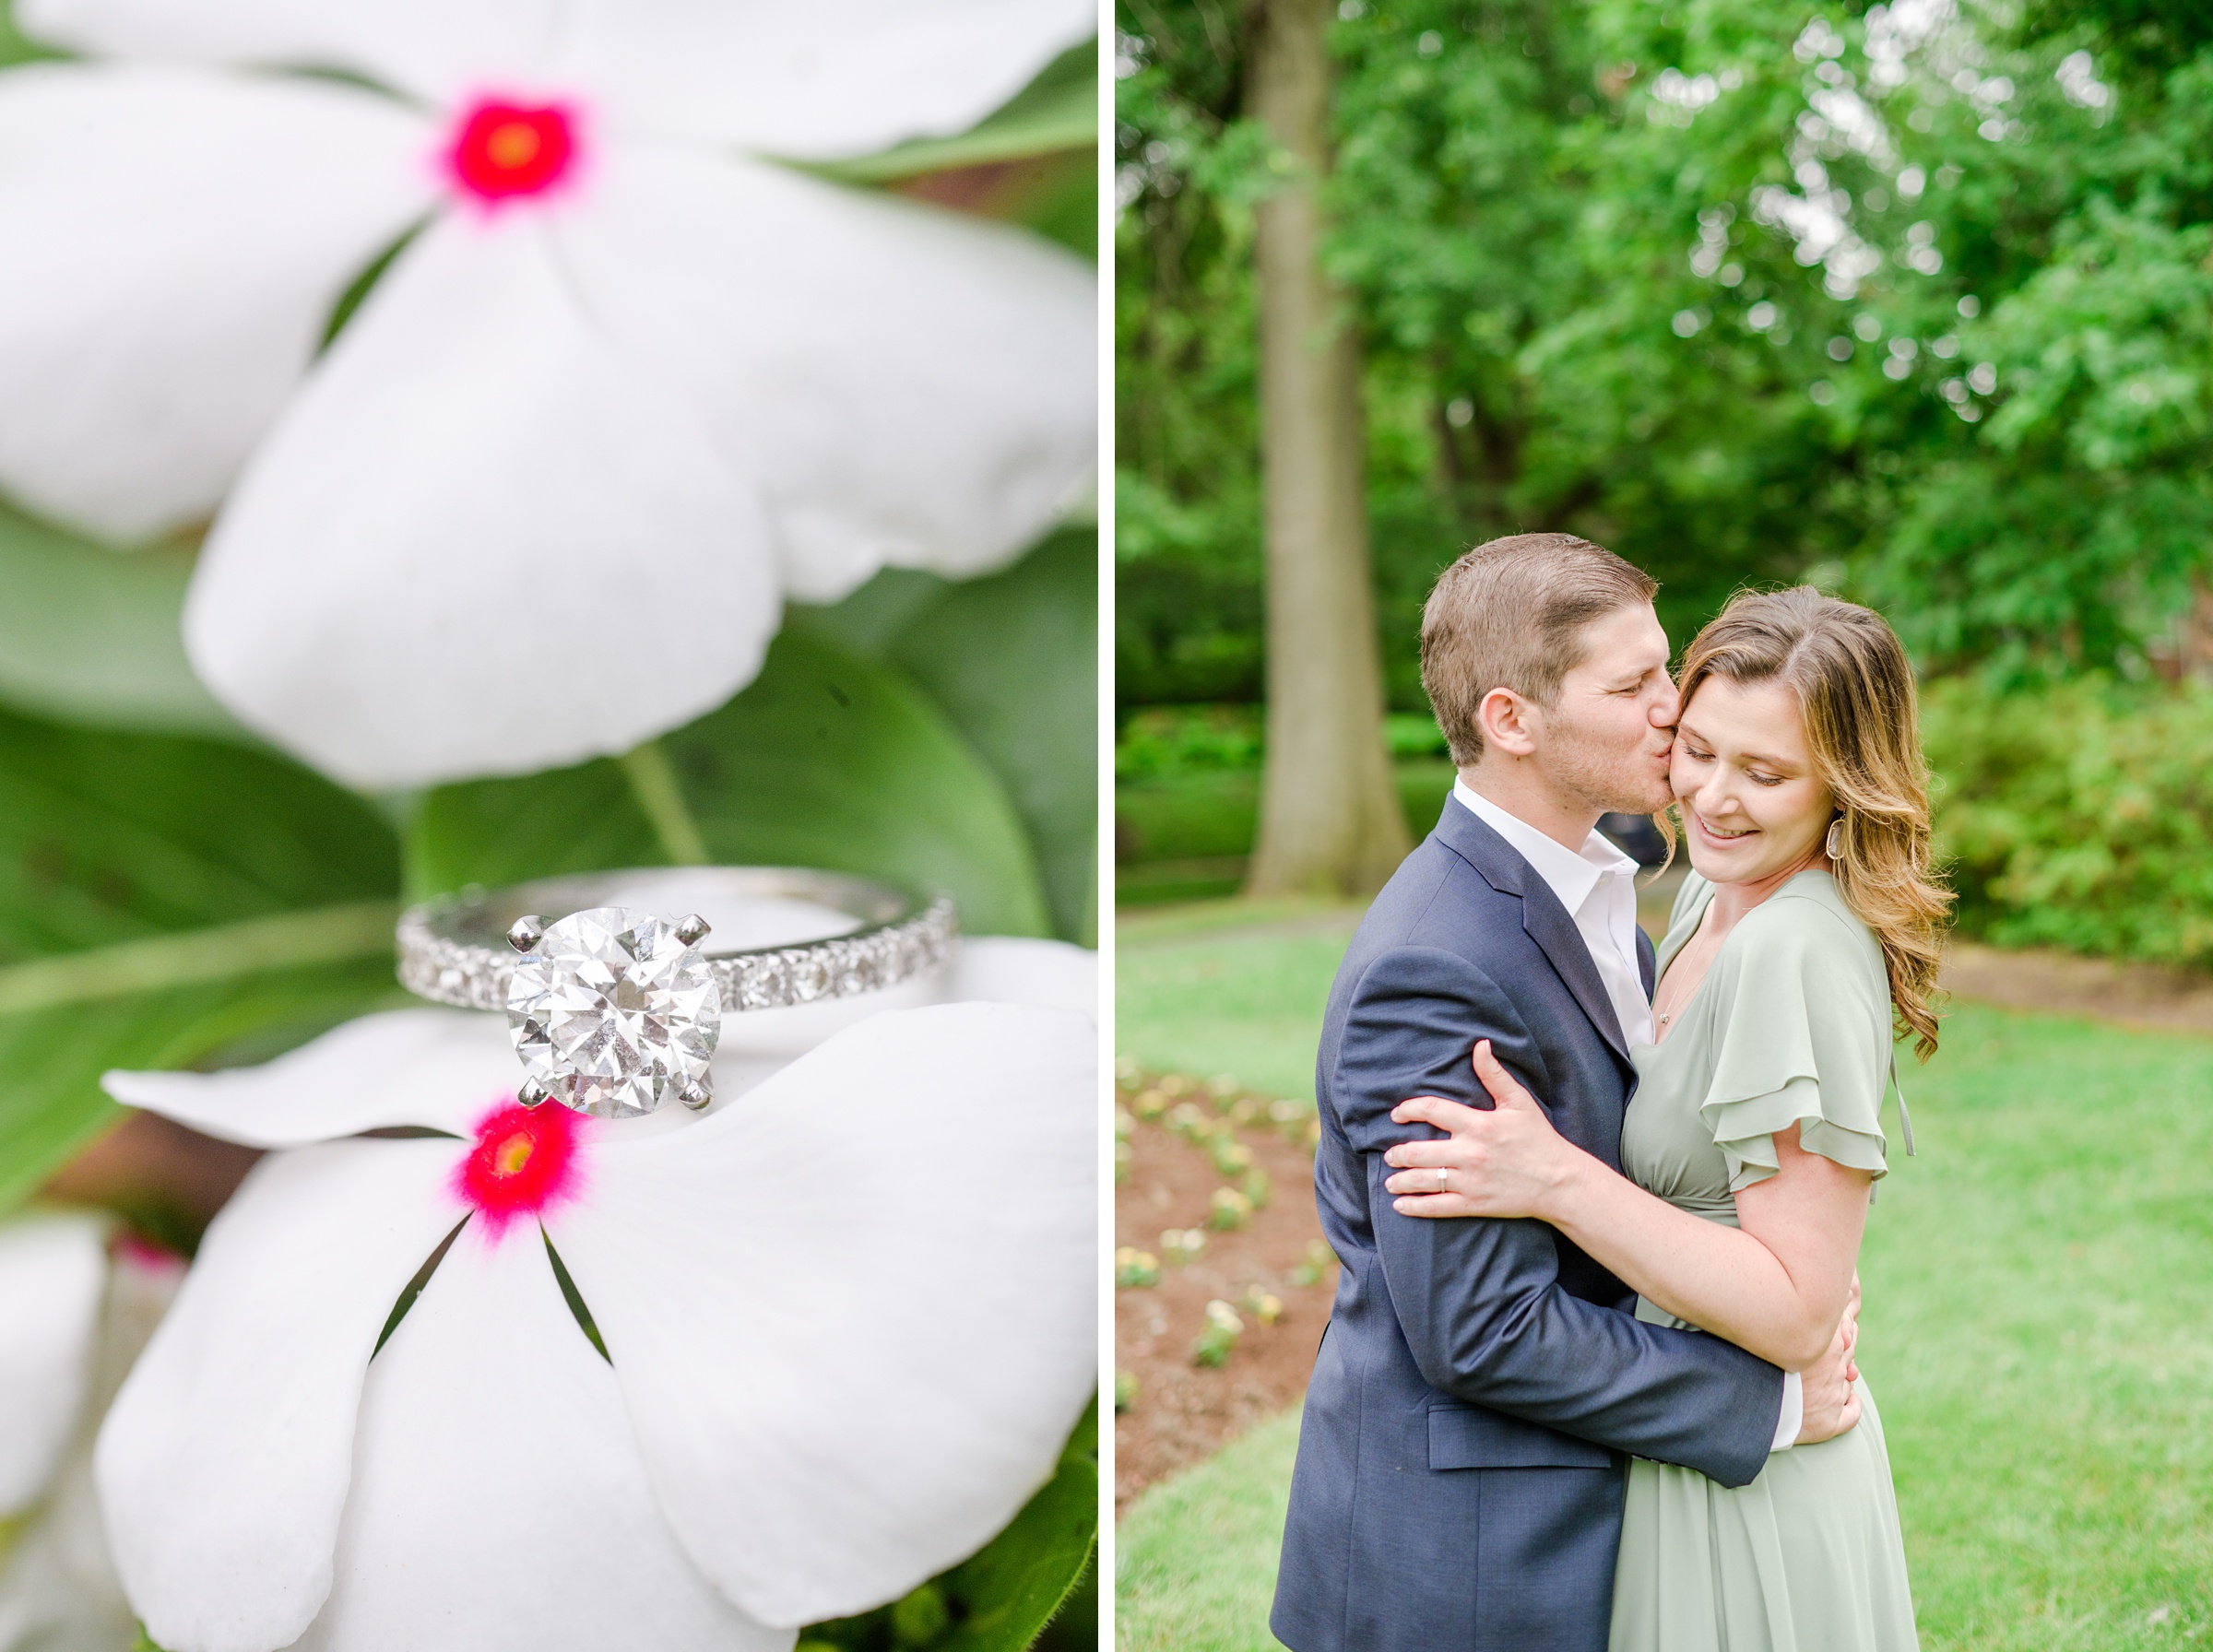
x=653, y=782
x=222, y=952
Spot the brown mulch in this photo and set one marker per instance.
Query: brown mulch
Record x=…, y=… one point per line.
x=2131, y=994
x=1182, y=1412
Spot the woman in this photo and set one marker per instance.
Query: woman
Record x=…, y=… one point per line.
x=1751, y=1149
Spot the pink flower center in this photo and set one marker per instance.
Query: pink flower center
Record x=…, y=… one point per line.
x=507, y=150
x=524, y=1161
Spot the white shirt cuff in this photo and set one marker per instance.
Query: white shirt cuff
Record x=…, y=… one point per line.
x=1793, y=1412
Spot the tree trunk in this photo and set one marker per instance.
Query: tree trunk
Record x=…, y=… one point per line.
x=1329, y=816
x=2194, y=634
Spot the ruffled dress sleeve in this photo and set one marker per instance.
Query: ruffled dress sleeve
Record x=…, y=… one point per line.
x=1802, y=1038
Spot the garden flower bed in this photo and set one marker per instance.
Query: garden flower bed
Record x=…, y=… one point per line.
x=1177, y=1412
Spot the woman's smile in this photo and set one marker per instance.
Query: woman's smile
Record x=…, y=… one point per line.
x=1720, y=834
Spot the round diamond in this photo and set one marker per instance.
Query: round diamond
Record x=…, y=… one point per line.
x=610, y=1012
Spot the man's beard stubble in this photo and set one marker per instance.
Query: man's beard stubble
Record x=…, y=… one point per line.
x=1602, y=778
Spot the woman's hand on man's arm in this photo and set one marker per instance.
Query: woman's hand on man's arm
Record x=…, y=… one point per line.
x=1507, y=1160
x=1776, y=1288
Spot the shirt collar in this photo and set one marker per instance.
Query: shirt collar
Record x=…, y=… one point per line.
x=1570, y=874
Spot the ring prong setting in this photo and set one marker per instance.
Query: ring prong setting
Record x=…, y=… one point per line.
x=695, y=1095
x=693, y=930
x=532, y=1093
x=526, y=933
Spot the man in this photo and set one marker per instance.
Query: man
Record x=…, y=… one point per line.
x=1460, y=1476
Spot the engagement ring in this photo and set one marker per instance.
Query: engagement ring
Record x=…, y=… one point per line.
x=613, y=1008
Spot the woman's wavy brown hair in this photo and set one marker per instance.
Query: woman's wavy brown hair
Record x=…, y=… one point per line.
x=1862, y=728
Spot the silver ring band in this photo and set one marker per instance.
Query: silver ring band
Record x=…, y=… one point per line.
x=454, y=950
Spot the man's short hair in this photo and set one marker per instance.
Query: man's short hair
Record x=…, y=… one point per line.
x=1510, y=614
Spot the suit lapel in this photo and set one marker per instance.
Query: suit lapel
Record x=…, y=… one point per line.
x=1546, y=922
x=1544, y=919
x=1644, y=961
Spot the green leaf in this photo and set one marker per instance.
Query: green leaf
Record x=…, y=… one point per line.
x=1057, y=111
x=164, y=900
x=829, y=760
x=93, y=635
x=1057, y=195
x=1001, y=1598
x=1015, y=1586
x=1014, y=660
x=13, y=48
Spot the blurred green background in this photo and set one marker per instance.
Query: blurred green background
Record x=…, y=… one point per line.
x=1914, y=301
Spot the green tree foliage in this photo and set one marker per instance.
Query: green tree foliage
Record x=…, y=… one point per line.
x=1186, y=482
x=2076, y=815
x=1907, y=299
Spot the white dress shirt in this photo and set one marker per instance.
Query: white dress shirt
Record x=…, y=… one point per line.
x=1597, y=884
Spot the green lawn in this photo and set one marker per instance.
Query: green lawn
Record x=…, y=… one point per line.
x=1197, y=992
x=2038, y=1324
x=1186, y=838
x=1195, y=1558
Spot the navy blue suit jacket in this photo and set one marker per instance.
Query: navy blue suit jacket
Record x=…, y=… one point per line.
x=1460, y=1466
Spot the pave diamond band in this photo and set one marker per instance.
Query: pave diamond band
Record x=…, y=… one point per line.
x=456, y=951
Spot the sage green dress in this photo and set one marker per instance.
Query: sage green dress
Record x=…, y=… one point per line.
x=1791, y=1025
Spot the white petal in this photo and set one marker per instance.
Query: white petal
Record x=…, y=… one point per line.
x=52, y=1272
x=224, y=1462
x=172, y=245
x=1010, y=969
x=58, y=1589
x=436, y=1068
x=853, y=1316
x=432, y=47
x=910, y=387
x=480, y=542
x=832, y=78
x=499, y=1499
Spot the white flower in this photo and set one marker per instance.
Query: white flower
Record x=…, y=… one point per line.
x=70, y=1326
x=849, y=1316
x=623, y=390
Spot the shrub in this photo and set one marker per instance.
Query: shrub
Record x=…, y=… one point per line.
x=1320, y=1259
x=1262, y=1304
x=2077, y=815
x=1218, y=1336
x=1228, y=1211
x=1232, y=1156
x=1135, y=1269
x=1168, y=741
x=1182, y=1245
x=1187, y=1121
